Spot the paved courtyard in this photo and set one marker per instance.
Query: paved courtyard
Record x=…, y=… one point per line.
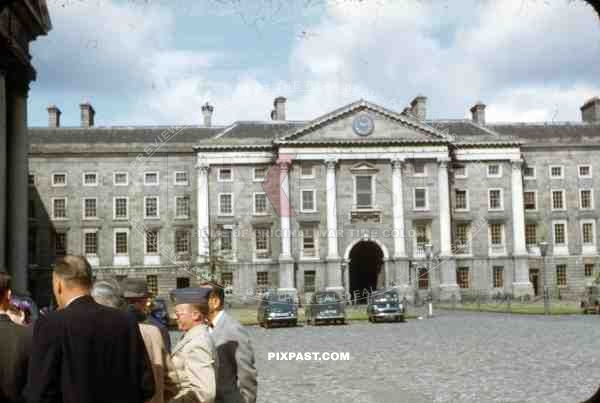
x=455, y=357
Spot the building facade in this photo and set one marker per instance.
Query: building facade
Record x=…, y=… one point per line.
x=20, y=23
x=360, y=198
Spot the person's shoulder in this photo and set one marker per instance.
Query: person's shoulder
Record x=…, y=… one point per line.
x=150, y=330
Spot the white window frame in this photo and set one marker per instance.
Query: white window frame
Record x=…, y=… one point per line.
x=562, y=171
x=494, y=250
x=32, y=176
x=467, y=208
x=315, y=229
x=187, y=178
x=591, y=199
x=255, y=178
x=501, y=208
x=115, y=208
x=190, y=247
x=466, y=175
x=584, y=176
x=266, y=212
x=268, y=251
x=220, y=211
x=189, y=207
x=373, y=194
x=534, y=173
x=312, y=172
x=314, y=198
x=146, y=253
x=468, y=250
x=60, y=184
x=419, y=174
x=588, y=248
x=92, y=258
x=535, y=198
x=83, y=216
x=157, y=216
x=220, y=179
x=157, y=178
x=498, y=175
x=229, y=255
x=427, y=226
x=121, y=259
x=564, y=200
x=66, y=217
x=415, y=208
x=560, y=249
x=126, y=178
x=89, y=173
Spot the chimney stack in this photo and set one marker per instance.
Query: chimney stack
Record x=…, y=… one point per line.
x=53, y=116
x=418, y=107
x=478, y=113
x=279, y=112
x=207, y=111
x=87, y=114
x=590, y=111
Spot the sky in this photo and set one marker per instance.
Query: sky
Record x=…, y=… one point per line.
x=156, y=62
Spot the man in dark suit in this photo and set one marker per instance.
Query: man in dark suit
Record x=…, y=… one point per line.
x=15, y=346
x=86, y=352
x=236, y=378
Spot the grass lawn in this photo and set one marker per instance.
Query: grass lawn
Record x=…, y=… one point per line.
x=556, y=308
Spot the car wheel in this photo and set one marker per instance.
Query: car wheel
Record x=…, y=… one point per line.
x=294, y=323
x=267, y=325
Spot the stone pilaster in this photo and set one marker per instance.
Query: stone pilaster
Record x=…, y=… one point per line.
x=17, y=174
x=521, y=285
x=398, y=209
x=332, y=239
x=286, y=262
x=203, y=209
x=447, y=265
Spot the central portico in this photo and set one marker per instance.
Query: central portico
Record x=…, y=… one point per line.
x=357, y=184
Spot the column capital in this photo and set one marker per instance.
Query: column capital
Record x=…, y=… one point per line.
x=331, y=162
x=284, y=164
x=397, y=162
x=517, y=165
x=443, y=161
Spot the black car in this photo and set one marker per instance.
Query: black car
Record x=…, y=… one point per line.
x=385, y=305
x=277, y=308
x=325, y=307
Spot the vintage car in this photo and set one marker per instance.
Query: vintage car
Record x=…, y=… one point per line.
x=385, y=305
x=277, y=307
x=325, y=307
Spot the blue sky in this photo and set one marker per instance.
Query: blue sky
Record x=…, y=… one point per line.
x=147, y=62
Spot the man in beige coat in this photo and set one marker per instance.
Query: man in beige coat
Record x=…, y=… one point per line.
x=109, y=294
x=194, y=357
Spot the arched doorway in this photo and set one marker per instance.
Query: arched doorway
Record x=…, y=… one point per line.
x=366, y=272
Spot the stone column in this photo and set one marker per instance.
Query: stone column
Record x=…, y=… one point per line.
x=398, y=209
x=17, y=196
x=286, y=262
x=3, y=168
x=521, y=285
x=202, y=168
x=447, y=264
x=334, y=263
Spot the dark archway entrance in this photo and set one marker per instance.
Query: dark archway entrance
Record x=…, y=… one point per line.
x=366, y=272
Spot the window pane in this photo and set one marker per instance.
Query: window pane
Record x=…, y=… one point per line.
x=260, y=203
x=120, y=178
x=363, y=191
x=498, y=276
x=182, y=282
x=226, y=206
x=588, y=233
x=121, y=208
x=260, y=173
x=182, y=206
x=557, y=199
x=561, y=274
x=226, y=239
x=90, y=208
x=556, y=171
x=495, y=199
x=559, y=234
x=152, y=282
x=306, y=170
x=151, y=241
x=589, y=269
x=419, y=167
x=496, y=234
x=60, y=243
x=308, y=200
x=493, y=170
x=529, y=200
x=420, y=198
x=60, y=208
x=182, y=242
x=90, y=179
x=151, y=178
x=181, y=177
x=462, y=277
x=225, y=174
x=461, y=199
x=151, y=207
x=121, y=243
x=531, y=234
x=586, y=199
x=91, y=243
x=584, y=170
x=309, y=281
x=308, y=242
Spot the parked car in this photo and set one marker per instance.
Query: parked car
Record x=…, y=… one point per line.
x=277, y=308
x=325, y=307
x=385, y=305
x=591, y=302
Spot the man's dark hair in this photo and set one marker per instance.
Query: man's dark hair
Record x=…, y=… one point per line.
x=75, y=271
x=4, y=283
x=219, y=292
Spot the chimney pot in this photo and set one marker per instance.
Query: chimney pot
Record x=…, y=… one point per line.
x=87, y=114
x=590, y=111
x=418, y=107
x=53, y=116
x=207, y=112
x=279, y=112
x=478, y=113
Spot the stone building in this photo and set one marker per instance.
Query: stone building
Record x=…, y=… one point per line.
x=359, y=198
x=20, y=23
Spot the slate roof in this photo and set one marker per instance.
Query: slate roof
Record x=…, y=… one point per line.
x=551, y=133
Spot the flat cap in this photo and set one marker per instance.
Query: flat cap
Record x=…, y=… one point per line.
x=191, y=295
x=134, y=288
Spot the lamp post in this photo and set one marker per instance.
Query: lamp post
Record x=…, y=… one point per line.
x=428, y=257
x=543, y=250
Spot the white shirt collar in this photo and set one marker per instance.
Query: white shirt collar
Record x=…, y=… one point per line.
x=215, y=321
x=73, y=299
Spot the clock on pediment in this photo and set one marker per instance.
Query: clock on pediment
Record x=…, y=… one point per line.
x=363, y=124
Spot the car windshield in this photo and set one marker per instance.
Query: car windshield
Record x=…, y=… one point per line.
x=276, y=306
x=385, y=298
x=327, y=298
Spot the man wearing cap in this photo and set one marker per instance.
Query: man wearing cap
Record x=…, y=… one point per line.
x=194, y=357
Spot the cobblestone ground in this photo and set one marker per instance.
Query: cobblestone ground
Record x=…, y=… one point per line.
x=454, y=357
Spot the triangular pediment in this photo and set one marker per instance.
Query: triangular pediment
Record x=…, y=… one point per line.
x=363, y=121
